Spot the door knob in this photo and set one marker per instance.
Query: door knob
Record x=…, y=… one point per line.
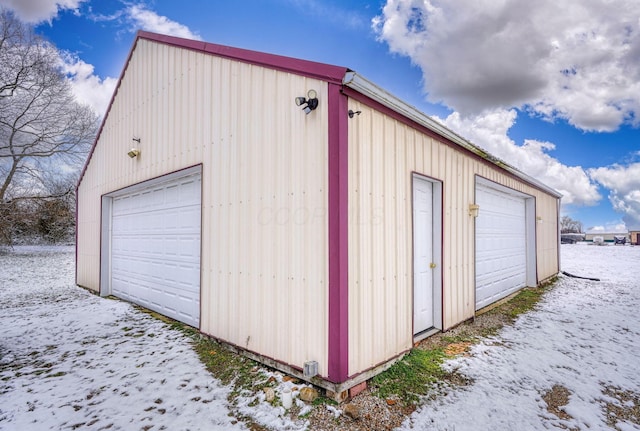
x=432, y=265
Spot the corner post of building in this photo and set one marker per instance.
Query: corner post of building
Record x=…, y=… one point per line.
x=338, y=349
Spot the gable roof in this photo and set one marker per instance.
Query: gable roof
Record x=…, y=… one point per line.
x=325, y=72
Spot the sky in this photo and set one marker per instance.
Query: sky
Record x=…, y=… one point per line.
x=552, y=88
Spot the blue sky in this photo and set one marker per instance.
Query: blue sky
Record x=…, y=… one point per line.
x=553, y=88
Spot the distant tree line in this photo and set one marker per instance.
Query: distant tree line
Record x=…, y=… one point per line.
x=568, y=225
x=46, y=218
x=45, y=135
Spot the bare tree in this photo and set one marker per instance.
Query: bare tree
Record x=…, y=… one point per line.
x=42, y=127
x=12, y=53
x=569, y=225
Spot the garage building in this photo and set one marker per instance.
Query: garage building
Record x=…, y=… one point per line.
x=299, y=212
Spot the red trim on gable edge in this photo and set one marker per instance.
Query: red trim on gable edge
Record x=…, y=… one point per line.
x=338, y=337
x=323, y=71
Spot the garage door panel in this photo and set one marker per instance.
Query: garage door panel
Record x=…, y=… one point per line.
x=501, y=258
x=189, y=246
x=155, y=246
x=140, y=257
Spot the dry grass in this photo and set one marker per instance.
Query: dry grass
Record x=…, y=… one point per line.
x=556, y=398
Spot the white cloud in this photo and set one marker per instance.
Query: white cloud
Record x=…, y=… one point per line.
x=610, y=227
x=146, y=19
x=489, y=131
x=138, y=16
x=35, y=11
x=88, y=88
x=95, y=91
x=573, y=59
x=624, y=185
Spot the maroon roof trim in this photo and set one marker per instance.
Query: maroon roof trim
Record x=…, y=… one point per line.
x=322, y=71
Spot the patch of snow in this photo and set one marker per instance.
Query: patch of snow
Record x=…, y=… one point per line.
x=626, y=426
x=270, y=416
x=304, y=407
x=334, y=411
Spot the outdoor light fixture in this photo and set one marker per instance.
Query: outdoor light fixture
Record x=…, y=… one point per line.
x=353, y=113
x=308, y=103
x=474, y=210
x=134, y=152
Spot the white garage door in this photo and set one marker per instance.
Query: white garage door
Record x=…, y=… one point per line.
x=155, y=247
x=501, y=244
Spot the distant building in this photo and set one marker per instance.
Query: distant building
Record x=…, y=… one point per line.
x=606, y=236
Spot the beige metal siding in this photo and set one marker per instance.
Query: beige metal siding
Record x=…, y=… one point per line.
x=383, y=153
x=379, y=239
x=264, y=194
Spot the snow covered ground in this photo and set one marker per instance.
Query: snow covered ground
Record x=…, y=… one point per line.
x=584, y=336
x=73, y=360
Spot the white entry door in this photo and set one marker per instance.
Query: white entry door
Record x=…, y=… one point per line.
x=155, y=247
x=423, y=279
